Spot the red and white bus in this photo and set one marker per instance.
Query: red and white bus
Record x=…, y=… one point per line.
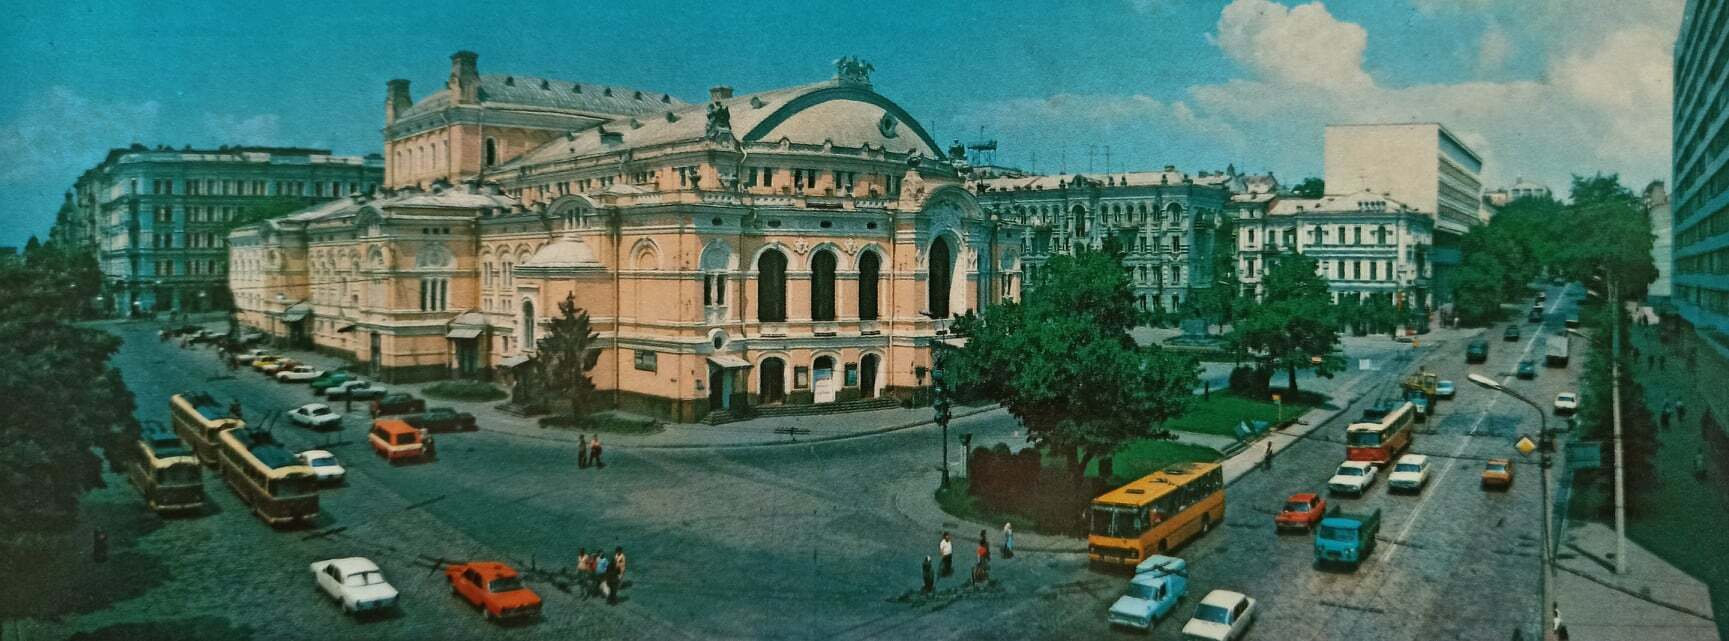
x=1380, y=441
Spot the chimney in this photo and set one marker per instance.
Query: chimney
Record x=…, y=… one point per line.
x=718, y=93
x=464, y=82
x=396, y=99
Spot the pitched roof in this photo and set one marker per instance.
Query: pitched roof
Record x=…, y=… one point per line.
x=533, y=93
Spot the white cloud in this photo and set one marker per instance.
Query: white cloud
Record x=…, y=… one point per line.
x=228, y=129
x=1300, y=45
x=64, y=131
x=1494, y=48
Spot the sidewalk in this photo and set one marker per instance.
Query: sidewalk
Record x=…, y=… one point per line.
x=1654, y=601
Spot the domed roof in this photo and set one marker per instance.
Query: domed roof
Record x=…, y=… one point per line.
x=567, y=254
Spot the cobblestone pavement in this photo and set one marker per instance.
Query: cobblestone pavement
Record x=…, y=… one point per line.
x=806, y=541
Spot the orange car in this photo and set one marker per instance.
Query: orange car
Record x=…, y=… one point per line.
x=1498, y=473
x=1301, y=512
x=495, y=587
x=395, y=439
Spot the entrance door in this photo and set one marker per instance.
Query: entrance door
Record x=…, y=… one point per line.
x=771, y=385
x=719, y=392
x=823, y=382
x=466, y=356
x=867, y=376
x=377, y=352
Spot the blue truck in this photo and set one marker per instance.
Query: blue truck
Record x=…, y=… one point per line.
x=1160, y=581
x=1346, y=538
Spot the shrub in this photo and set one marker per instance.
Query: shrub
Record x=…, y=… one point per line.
x=1250, y=381
x=464, y=391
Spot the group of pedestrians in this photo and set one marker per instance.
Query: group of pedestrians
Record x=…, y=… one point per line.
x=601, y=574
x=981, y=570
x=588, y=452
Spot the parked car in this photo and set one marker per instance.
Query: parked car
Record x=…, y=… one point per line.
x=1222, y=616
x=494, y=587
x=355, y=389
x=1160, y=581
x=315, y=415
x=298, y=374
x=1477, y=352
x=1410, y=473
x=1566, y=403
x=355, y=583
x=324, y=466
x=1498, y=473
x=246, y=357
x=261, y=361
x=398, y=403
x=1536, y=316
x=1572, y=323
x=1301, y=512
x=1542, y=296
x=1527, y=369
x=204, y=336
x=271, y=368
x=1352, y=477
x=1444, y=389
x=442, y=419
x=1511, y=335
x=331, y=378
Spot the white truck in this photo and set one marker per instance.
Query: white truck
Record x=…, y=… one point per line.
x=1557, y=354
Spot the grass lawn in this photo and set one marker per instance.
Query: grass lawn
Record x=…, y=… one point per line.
x=603, y=422
x=1221, y=413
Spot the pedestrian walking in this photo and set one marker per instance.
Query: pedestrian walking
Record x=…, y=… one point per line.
x=581, y=451
x=1008, y=541
x=946, y=549
x=594, y=452
x=99, y=545
x=1206, y=390
x=982, y=570
x=582, y=571
x=1560, y=628
x=1268, y=461
x=930, y=577
x=1664, y=424
x=614, y=571
x=602, y=568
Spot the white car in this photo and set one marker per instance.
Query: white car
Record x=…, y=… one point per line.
x=299, y=374
x=1444, y=389
x=1410, y=473
x=315, y=415
x=345, y=388
x=355, y=583
x=1353, y=477
x=324, y=466
x=245, y=358
x=1223, y=615
x=1566, y=403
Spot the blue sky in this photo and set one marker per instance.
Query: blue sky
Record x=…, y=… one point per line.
x=1542, y=87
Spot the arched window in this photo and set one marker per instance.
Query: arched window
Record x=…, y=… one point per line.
x=526, y=333
x=490, y=155
x=941, y=274
x=869, y=271
x=771, y=287
x=1080, y=216
x=822, y=286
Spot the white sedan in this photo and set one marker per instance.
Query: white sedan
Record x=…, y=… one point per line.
x=1222, y=615
x=1566, y=403
x=299, y=374
x=355, y=583
x=245, y=358
x=315, y=415
x=324, y=466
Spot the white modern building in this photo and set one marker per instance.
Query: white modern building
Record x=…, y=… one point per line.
x=1367, y=245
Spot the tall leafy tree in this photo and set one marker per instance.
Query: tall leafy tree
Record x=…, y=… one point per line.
x=1311, y=187
x=1062, y=361
x=1295, y=327
x=570, y=351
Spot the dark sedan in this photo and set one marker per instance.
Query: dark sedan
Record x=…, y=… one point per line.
x=442, y=419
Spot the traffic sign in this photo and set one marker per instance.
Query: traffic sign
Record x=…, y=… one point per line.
x=1525, y=445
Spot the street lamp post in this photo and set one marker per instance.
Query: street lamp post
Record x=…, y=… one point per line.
x=1546, y=577
x=940, y=404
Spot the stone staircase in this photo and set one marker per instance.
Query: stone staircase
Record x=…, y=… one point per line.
x=718, y=417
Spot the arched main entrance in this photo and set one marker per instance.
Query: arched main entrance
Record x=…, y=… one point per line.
x=823, y=382
x=867, y=376
x=771, y=387
x=941, y=275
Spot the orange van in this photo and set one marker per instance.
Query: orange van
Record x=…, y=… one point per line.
x=395, y=439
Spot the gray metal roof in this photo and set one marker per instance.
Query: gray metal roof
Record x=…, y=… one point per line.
x=561, y=95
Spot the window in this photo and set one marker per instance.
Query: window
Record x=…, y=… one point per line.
x=822, y=303
x=434, y=294
x=869, y=272
x=771, y=287
x=714, y=289
x=645, y=360
x=526, y=338
x=939, y=278
x=490, y=154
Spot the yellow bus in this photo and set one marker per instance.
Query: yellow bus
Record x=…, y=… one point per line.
x=166, y=472
x=1156, y=513
x=198, y=419
x=267, y=477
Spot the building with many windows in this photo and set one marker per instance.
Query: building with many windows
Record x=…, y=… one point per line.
x=1421, y=165
x=1367, y=245
x=804, y=245
x=1700, y=198
x=1165, y=221
x=1520, y=188
x=156, y=217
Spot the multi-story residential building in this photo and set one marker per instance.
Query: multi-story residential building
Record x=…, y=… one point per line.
x=1520, y=188
x=1165, y=221
x=1422, y=165
x=798, y=245
x=1367, y=245
x=156, y=216
x=1701, y=169
x=1656, y=201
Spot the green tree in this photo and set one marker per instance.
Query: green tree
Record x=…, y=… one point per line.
x=1311, y=187
x=1221, y=301
x=570, y=352
x=1295, y=326
x=1478, y=289
x=273, y=207
x=1063, y=363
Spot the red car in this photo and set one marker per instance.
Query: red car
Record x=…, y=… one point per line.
x=495, y=587
x=1301, y=512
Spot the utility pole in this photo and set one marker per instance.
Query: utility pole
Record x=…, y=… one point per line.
x=1620, y=469
x=940, y=404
